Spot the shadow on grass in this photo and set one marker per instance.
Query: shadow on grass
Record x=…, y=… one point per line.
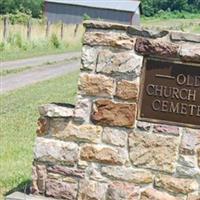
x=67, y=105
x=22, y=187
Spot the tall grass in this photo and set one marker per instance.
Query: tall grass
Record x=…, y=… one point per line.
x=18, y=45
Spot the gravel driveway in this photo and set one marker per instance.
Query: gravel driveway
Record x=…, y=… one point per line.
x=64, y=64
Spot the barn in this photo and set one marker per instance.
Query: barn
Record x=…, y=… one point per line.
x=74, y=11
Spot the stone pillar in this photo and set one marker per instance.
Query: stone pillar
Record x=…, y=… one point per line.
x=99, y=150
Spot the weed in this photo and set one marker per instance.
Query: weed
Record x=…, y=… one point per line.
x=86, y=17
x=55, y=41
x=2, y=46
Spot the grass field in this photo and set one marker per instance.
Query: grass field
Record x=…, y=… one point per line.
x=18, y=46
x=18, y=117
x=186, y=25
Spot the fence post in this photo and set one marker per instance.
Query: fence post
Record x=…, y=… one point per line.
x=29, y=29
x=5, y=28
x=62, y=31
x=47, y=28
x=76, y=29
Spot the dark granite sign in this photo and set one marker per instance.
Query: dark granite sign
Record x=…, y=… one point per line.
x=170, y=93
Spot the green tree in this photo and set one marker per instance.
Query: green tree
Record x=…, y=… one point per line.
x=26, y=6
x=194, y=4
x=151, y=7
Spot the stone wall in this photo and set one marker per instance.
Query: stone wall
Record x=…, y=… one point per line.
x=98, y=150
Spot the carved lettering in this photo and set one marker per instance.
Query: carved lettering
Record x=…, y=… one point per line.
x=181, y=79
x=183, y=94
x=164, y=106
x=171, y=92
x=192, y=95
x=159, y=90
x=150, y=89
x=174, y=108
x=197, y=81
x=156, y=105
x=177, y=108
x=188, y=80
x=167, y=92
x=198, y=111
x=192, y=107
x=183, y=109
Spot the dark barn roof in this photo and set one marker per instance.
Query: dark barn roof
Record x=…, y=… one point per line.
x=72, y=11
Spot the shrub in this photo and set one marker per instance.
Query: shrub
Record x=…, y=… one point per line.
x=2, y=46
x=55, y=41
x=86, y=17
x=19, y=17
x=25, y=46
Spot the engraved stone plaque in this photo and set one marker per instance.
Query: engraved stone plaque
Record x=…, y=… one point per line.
x=170, y=93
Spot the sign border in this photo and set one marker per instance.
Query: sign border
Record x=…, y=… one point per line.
x=141, y=88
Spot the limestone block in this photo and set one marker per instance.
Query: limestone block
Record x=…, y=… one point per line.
x=66, y=171
x=190, y=53
x=56, y=110
x=153, y=151
x=187, y=37
x=107, y=112
x=152, y=194
x=55, y=151
x=187, y=161
x=91, y=190
x=41, y=171
x=117, y=137
x=104, y=25
x=89, y=58
x=82, y=110
x=188, y=172
x=193, y=197
x=176, y=185
x=165, y=129
x=77, y=133
x=108, y=39
x=34, y=188
x=127, y=90
x=137, y=176
x=122, y=191
x=103, y=154
x=61, y=190
x=123, y=61
x=190, y=140
x=57, y=125
x=146, y=33
x=157, y=48
x=94, y=173
x=96, y=85
x=39, y=176
x=43, y=126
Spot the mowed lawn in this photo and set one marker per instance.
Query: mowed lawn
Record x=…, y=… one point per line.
x=185, y=25
x=18, y=123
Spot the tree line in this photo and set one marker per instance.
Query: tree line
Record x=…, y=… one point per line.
x=29, y=7
x=149, y=7
x=152, y=7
